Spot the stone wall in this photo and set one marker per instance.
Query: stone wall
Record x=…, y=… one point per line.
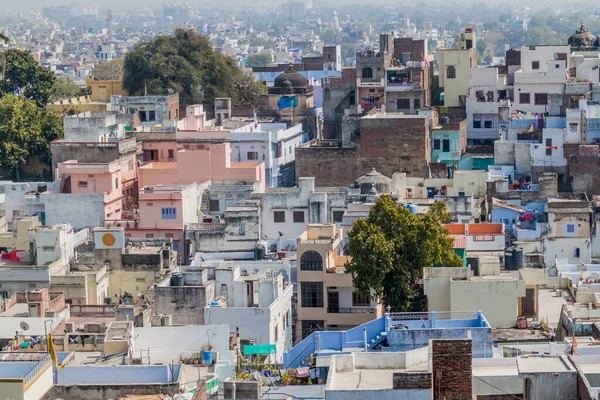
x=185, y=303
x=387, y=144
x=451, y=367
x=103, y=392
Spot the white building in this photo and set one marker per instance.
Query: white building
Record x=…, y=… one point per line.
x=271, y=143
x=543, y=73
x=56, y=245
x=260, y=305
x=21, y=199
x=488, y=104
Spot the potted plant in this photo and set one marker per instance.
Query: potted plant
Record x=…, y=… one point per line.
x=286, y=379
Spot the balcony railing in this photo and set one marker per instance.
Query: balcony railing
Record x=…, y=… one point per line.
x=351, y=310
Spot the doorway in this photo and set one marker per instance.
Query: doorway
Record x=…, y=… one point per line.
x=333, y=302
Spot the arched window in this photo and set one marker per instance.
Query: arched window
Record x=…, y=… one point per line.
x=367, y=72
x=311, y=261
x=451, y=72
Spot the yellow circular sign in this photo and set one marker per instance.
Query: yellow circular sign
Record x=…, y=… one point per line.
x=108, y=239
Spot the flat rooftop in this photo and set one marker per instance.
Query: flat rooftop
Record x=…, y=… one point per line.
x=542, y=364
x=365, y=379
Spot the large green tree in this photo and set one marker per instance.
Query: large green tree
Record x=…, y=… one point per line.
x=26, y=131
x=186, y=63
x=25, y=76
x=109, y=70
x=258, y=60
x=390, y=248
x=65, y=88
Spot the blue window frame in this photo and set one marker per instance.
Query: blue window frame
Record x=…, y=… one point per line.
x=571, y=228
x=168, y=213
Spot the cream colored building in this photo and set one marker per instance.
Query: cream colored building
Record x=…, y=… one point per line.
x=326, y=296
x=501, y=295
x=83, y=287
x=29, y=378
x=22, y=239
x=455, y=74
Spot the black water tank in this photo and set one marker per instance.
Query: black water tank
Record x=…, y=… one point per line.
x=177, y=280
x=259, y=252
x=508, y=259
x=517, y=258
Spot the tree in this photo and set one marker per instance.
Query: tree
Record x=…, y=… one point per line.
x=258, y=60
x=185, y=63
x=109, y=70
x=25, y=76
x=481, y=47
x=390, y=248
x=26, y=131
x=65, y=88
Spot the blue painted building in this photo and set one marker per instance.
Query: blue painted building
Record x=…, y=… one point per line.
x=395, y=332
x=448, y=143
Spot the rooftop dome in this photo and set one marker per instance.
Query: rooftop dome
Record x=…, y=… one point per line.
x=582, y=38
x=374, y=180
x=293, y=77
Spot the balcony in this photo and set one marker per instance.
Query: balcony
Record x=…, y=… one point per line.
x=402, y=87
x=351, y=310
x=370, y=82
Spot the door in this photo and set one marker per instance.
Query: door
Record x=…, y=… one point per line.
x=529, y=303
x=446, y=145
x=333, y=302
x=102, y=93
x=91, y=186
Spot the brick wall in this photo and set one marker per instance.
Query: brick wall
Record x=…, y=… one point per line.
x=387, y=144
x=411, y=380
x=451, y=368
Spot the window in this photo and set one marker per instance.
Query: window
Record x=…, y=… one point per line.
x=168, y=213
x=360, y=300
x=476, y=124
x=168, y=235
x=152, y=115
x=487, y=124
x=48, y=248
x=352, y=98
x=149, y=235
x=116, y=183
x=451, y=72
x=549, y=146
x=403, y=104
x=242, y=229
x=298, y=216
x=524, y=98
x=312, y=294
x=171, y=154
x=214, y=205
x=82, y=183
x=310, y=326
x=573, y=127
x=338, y=216
x=436, y=144
x=577, y=252
x=253, y=155
x=483, y=238
x=535, y=65
x=279, y=216
x=570, y=228
x=367, y=73
x=311, y=261
x=446, y=145
x=149, y=204
x=130, y=164
x=541, y=98
x=417, y=104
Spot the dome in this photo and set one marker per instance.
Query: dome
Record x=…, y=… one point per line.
x=374, y=181
x=290, y=78
x=582, y=38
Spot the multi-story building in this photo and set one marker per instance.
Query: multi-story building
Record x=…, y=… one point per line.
x=455, y=65
x=326, y=296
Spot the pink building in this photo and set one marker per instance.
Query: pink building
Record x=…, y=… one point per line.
x=201, y=165
x=95, y=178
x=163, y=212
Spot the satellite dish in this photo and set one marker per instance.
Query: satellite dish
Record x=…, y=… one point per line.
x=24, y=326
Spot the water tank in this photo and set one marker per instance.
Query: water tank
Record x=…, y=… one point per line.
x=508, y=259
x=517, y=258
x=259, y=252
x=207, y=357
x=177, y=280
x=413, y=208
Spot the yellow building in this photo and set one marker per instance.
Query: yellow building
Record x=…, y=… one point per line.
x=326, y=296
x=102, y=90
x=83, y=287
x=455, y=74
x=20, y=240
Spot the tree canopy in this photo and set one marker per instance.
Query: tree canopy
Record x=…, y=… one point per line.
x=109, y=70
x=187, y=64
x=65, y=88
x=25, y=76
x=26, y=131
x=390, y=248
x=258, y=60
